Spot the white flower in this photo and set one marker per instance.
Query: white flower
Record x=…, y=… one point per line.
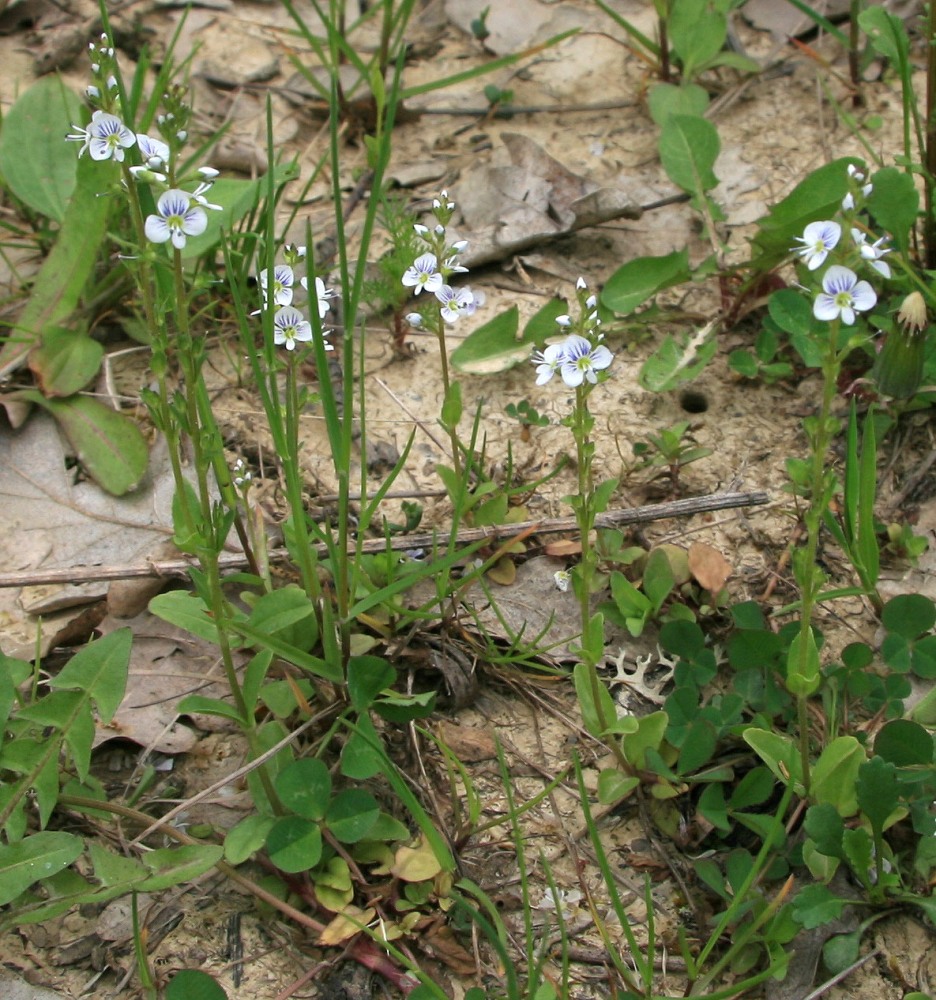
x=563, y=321
x=415, y=320
x=199, y=193
x=209, y=173
x=819, y=238
x=843, y=295
x=872, y=252
x=581, y=361
x=451, y=266
x=455, y=302
x=547, y=362
x=283, y=281
x=568, y=901
x=291, y=327
x=106, y=137
x=177, y=218
x=148, y=176
x=420, y=229
x=423, y=274
x=153, y=152
x=322, y=295
x=562, y=578
x=580, y=285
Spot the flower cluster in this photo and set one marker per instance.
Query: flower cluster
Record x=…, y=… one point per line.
x=290, y=327
x=581, y=356
x=179, y=213
x=431, y=270
x=843, y=293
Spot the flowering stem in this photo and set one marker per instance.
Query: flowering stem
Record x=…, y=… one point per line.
x=292, y=474
x=809, y=577
x=446, y=386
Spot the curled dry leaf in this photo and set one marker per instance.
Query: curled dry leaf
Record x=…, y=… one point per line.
x=709, y=567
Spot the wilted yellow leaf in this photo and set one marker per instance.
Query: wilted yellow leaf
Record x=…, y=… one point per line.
x=345, y=925
x=416, y=864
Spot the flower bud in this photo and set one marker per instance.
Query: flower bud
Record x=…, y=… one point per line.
x=912, y=313
x=898, y=371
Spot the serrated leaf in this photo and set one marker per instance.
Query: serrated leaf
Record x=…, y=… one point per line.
x=815, y=905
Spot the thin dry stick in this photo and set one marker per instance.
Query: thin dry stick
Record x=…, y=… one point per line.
x=422, y=540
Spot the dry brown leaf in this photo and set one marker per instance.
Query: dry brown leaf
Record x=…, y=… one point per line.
x=468, y=744
x=710, y=568
x=563, y=547
x=441, y=943
x=346, y=924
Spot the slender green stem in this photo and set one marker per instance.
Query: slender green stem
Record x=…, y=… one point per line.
x=809, y=578
x=293, y=475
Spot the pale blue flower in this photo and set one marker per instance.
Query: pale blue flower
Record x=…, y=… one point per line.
x=455, y=302
x=283, y=281
x=872, y=252
x=843, y=295
x=177, y=218
x=423, y=274
x=105, y=138
x=818, y=239
x=153, y=152
x=290, y=327
x=547, y=362
x=322, y=295
x=581, y=361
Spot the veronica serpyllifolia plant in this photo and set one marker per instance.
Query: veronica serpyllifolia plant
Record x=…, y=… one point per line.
x=839, y=271
x=431, y=272
x=582, y=362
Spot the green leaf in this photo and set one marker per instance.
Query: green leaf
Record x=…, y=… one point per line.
x=826, y=827
x=361, y=757
x=451, y=407
x=289, y=614
x=776, y=749
x=596, y=714
x=246, y=837
x=658, y=578
x=803, y=670
x=677, y=360
x=909, y=615
x=57, y=288
x=99, y=669
x=833, y=776
x=842, y=950
x=38, y=856
x=648, y=736
x=877, y=791
x=186, y=611
x=171, y=866
x=113, y=870
x=305, y=787
x=637, y=280
x=689, y=147
x=367, y=677
x=197, y=704
x=108, y=444
x=493, y=347
x=713, y=807
x=37, y=165
x=904, y=743
x=815, y=198
x=697, y=32
x=65, y=361
x=613, y=786
x=698, y=746
x=294, y=844
x=753, y=789
x=193, y=984
x=815, y=905
x=886, y=33
x=894, y=203
x=666, y=99
x=351, y=815
x=791, y=311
